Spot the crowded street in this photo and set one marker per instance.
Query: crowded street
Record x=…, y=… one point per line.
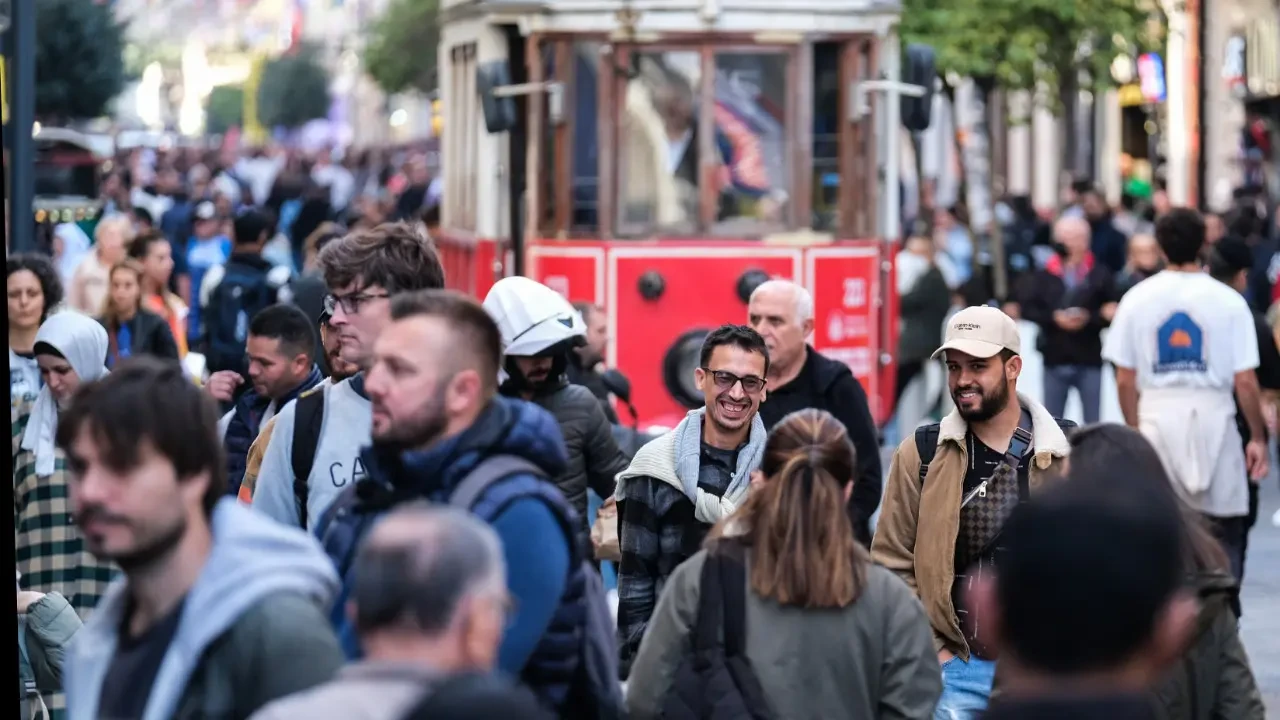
x=643, y=359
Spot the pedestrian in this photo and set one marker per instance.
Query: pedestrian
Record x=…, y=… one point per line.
x=828, y=633
x=1182, y=343
x=952, y=486
x=155, y=254
x=441, y=432
x=430, y=605
x=315, y=447
x=131, y=329
x=1089, y=609
x=587, y=359
x=34, y=291
x=232, y=293
x=1071, y=300
x=681, y=484
x=88, y=288
x=800, y=377
x=280, y=348
x=540, y=330
x=46, y=625
x=219, y=611
x=1213, y=678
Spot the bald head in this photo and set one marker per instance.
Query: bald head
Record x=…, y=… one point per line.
x=419, y=564
x=1073, y=233
x=782, y=312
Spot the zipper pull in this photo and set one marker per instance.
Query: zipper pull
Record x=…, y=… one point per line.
x=982, y=489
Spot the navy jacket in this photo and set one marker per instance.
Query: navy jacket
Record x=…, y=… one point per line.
x=247, y=421
x=530, y=515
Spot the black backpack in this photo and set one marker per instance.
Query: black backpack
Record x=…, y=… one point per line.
x=927, y=442
x=308, y=416
x=242, y=293
x=716, y=681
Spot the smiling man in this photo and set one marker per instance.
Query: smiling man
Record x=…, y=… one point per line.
x=952, y=486
x=682, y=483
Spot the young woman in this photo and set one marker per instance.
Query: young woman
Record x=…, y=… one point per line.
x=155, y=254
x=34, y=290
x=828, y=634
x=132, y=330
x=1214, y=679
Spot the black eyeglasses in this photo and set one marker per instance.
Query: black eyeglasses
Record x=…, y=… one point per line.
x=725, y=380
x=350, y=304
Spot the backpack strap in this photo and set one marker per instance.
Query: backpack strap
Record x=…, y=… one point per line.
x=489, y=471
x=733, y=577
x=722, y=600
x=308, y=416
x=926, y=446
x=710, y=605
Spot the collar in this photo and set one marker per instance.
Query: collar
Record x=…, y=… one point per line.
x=1055, y=265
x=394, y=670
x=1049, y=442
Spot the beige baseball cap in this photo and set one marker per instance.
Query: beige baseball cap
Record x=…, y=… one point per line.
x=981, y=331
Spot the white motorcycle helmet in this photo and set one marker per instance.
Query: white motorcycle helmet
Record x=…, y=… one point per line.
x=535, y=321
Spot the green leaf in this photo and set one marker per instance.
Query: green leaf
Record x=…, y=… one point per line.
x=224, y=109
x=294, y=90
x=401, y=51
x=79, y=59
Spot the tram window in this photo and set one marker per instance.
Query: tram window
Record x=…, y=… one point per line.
x=826, y=135
x=585, y=165
x=659, y=166
x=750, y=117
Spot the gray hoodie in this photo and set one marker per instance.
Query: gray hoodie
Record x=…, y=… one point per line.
x=252, y=560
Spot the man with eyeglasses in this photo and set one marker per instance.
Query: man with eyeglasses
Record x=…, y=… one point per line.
x=682, y=483
x=314, y=451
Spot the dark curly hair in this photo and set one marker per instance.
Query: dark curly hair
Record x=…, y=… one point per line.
x=42, y=268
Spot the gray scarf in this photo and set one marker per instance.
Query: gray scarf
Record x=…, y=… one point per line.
x=688, y=457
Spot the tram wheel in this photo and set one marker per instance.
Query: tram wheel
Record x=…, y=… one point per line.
x=678, y=367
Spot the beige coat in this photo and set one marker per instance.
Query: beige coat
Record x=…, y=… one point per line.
x=916, y=535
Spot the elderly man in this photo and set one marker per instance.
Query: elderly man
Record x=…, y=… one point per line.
x=1071, y=299
x=430, y=604
x=800, y=377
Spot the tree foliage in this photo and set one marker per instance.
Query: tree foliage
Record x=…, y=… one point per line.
x=294, y=90
x=224, y=109
x=401, y=51
x=1037, y=45
x=79, y=59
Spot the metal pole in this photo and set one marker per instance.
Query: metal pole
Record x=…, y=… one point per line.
x=892, y=58
x=22, y=35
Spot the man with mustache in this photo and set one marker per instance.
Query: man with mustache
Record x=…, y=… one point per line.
x=682, y=483
x=952, y=486
x=220, y=611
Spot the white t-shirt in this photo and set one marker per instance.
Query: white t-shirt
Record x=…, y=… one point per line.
x=1183, y=330
x=345, y=429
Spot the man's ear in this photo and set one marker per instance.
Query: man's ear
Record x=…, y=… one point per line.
x=1013, y=368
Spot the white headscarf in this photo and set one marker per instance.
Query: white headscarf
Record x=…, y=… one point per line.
x=83, y=342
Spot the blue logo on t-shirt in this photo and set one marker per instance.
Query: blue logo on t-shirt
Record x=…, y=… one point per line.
x=1179, y=345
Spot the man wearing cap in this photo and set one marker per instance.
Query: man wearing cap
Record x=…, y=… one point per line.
x=952, y=485
x=207, y=248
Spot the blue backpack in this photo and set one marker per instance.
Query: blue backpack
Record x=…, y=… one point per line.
x=595, y=691
x=243, y=292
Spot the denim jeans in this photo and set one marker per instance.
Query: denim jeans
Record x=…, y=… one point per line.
x=1086, y=379
x=966, y=688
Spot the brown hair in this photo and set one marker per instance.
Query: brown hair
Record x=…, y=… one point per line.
x=1097, y=450
x=803, y=552
x=397, y=257
x=476, y=333
x=109, y=313
x=141, y=245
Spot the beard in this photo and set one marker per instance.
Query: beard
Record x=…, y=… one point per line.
x=420, y=429
x=153, y=542
x=990, y=406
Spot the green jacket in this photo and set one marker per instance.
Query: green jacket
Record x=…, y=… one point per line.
x=1214, y=680
x=47, y=627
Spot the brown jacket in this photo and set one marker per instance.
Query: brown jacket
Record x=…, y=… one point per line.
x=923, y=554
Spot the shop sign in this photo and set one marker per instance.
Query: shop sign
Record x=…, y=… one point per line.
x=1151, y=78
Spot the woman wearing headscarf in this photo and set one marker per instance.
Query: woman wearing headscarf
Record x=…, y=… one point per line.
x=70, y=349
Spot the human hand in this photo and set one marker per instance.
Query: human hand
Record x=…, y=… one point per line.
x=1257, y=458
x=222, y=385
x=26, y=598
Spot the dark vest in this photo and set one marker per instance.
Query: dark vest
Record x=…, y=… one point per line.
x=245, y=423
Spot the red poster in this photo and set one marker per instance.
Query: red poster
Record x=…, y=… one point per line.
x=846, y=295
